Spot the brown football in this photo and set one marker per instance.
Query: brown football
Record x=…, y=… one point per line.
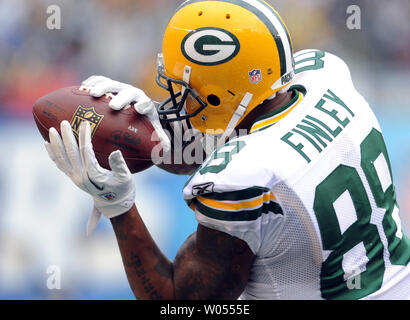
x=124, y=130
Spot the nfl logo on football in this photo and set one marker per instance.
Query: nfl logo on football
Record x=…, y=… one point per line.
x=255, y=76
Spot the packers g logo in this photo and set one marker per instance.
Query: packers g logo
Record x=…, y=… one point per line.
x=210, y=46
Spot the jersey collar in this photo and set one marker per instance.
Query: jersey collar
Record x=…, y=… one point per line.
x=267, y=120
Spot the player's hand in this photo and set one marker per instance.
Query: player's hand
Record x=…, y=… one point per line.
x=127, y=95
x=113, y=190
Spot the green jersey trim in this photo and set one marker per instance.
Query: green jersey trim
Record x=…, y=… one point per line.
x=243, y=215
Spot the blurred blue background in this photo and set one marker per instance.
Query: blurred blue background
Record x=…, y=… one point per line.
x=43, y=216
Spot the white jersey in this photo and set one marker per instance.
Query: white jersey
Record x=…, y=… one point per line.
x=311, y=192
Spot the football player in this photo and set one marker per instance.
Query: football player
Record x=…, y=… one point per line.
x=301, y=207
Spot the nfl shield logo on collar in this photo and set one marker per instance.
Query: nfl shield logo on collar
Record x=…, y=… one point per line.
x=255, y=76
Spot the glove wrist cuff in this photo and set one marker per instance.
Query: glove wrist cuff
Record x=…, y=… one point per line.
x=112, y=210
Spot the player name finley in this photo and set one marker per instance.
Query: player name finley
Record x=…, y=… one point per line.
x=320, y=129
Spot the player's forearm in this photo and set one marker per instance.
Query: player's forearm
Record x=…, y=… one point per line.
x=148, y=270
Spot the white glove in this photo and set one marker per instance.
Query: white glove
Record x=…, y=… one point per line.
x=97, y=86
x=113, y=191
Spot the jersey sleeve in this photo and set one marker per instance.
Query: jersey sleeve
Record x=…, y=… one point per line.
x=229, y=195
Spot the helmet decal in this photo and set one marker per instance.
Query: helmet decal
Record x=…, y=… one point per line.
x=210, y=46
x=273, y=22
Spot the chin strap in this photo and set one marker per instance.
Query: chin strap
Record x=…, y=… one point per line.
x=209, y=142
x=186, y=77
x=237, y=115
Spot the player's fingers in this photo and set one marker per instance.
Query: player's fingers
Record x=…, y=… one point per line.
x=57, y=146
x=50, y=152
x=118, y=164
x=152, y=115
x=99, y=89
x=87, y=154
x=93, y=80
x=163, y=137
x=144, y=105
x=53, y=157
x=104, y=87
x=71, y=146
x=122, y=99
x=84, y=142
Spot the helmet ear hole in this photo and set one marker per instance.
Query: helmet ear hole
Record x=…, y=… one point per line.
x=213, y=100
